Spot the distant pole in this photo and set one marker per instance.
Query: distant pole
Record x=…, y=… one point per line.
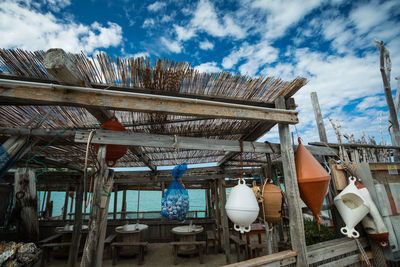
x=385, y=68
x=318, y=118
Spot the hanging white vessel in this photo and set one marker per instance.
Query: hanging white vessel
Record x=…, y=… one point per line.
x=352, y=206
x=242, y=207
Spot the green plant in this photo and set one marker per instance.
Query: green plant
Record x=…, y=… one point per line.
x=313, y=236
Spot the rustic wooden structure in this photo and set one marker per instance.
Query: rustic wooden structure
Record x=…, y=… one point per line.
x=173, y=114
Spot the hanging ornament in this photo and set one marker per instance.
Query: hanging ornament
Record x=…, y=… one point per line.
x=373, y=222
x=313, y=181
x=242, y=207
x=113, y=152
x=273, y=203
x=352, y=207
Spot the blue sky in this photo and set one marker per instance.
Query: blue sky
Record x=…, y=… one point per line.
x=329, y=42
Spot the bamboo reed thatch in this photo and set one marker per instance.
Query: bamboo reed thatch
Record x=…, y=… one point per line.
x=152, y=75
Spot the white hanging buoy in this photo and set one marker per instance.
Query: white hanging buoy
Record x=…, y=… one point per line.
x=242, y=207
x=352, y=206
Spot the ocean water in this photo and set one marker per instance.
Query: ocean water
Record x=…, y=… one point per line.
x=149, y=201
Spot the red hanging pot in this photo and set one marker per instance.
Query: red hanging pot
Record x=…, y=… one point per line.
x=114, y=152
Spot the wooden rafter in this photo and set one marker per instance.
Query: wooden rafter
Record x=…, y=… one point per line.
x=96, y=98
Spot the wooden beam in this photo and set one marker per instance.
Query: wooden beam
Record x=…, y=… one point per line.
x=94, y=98
x=59, y=64
x=296, y=223
x=352, y=145
x=156, y=140
x=318, y=118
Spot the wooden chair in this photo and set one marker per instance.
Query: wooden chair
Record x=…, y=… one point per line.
x=240, y=245
x=199, y=246
x=117, y=245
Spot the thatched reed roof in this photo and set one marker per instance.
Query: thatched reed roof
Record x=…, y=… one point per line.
x=160, y=76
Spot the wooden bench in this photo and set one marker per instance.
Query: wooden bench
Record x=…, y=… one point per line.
x=211, y=240
x=239, y=246
x=116, y=245
x=108, y=241
x=50, y=238
x=199, y=245
x=48, y=247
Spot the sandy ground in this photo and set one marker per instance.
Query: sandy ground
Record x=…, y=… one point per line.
x=158, y=255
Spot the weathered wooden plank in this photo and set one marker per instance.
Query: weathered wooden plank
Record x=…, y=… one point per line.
x=342, y=262
x=86, y=97
x=334, y=250
x=282, y=258
x=352, y=145
x=395, y=190
x=296, y=222
x=318, y=118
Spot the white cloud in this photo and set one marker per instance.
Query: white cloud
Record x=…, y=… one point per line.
x=184, y=33
x=282, y=14
x=29, y=29
x=371, y=102
x=140, y=54
x=148, y=23
x=156, y=6
x=173, y=46
x=209, y=67
x=255, y=56
x=206, y=45
x=206, y=19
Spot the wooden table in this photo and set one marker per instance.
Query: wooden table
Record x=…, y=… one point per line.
x=130, y=233
x=187, y=234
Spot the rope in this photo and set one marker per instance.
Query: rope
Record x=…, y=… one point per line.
x=363, y=253
x=241, y=159
x=176, y=149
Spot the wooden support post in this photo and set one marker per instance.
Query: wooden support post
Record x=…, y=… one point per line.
x=318, y=118
x=123, y=208
x=296, y=222
x=94, y=246
x=65, y=207
x=218, y=211
x=224, y=219
x=115, y=202
x=47, y=210
x=385, y=66
x=26, y=203
x=76, y=234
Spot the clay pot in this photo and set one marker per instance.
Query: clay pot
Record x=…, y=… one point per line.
x=113, y=152
x=273, y=203
x=242, y=207
x=313, y=181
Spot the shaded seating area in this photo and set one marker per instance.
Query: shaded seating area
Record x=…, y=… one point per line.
x=116, y=246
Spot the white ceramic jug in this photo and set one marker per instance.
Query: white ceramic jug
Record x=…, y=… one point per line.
x=242, y=207
x=352, y=206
